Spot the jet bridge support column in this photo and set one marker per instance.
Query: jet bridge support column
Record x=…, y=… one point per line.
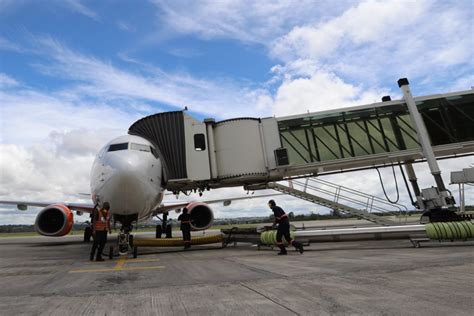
x=212, y=146
x=432, y=199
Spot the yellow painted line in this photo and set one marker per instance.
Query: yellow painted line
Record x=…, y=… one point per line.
x=128, y=261
x=120, y=263
x=92, y=270
x=143, y=260
x=120, y=266
x=142, y=268
x=113, y=269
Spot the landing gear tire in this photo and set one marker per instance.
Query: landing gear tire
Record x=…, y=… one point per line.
x=135, y=252
x=169, y=231
x=158, y=231
x=87, y=234
x=123, y=249
x=111, y=252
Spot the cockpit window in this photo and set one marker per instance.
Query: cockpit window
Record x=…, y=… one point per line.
x=153, y=151
x=140, y=147
x=115, y=147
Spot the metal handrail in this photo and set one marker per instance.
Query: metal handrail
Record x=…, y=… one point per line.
x=360, y=193
x=369, y=203
x=325, y=202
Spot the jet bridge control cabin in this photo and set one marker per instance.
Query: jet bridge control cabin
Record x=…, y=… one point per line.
x=242, y=151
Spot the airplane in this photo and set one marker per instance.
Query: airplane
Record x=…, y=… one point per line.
x=127, y=172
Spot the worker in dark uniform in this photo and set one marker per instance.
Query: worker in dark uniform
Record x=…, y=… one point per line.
x=185, y=219
x=281, y=218
x=100, y=228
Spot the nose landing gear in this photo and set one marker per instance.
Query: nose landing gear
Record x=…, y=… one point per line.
x=125, y=240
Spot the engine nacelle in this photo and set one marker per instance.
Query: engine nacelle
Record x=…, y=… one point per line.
x=202, y=216
x=54, y=220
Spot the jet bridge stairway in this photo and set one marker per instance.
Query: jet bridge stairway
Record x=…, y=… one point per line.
x=362, y=205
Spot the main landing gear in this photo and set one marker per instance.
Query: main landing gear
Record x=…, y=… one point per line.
x=164, y=227
x=87, y=233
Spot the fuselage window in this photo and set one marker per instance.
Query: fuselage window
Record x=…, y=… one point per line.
x=115, y=147
x=199, y=142
x=140, y=147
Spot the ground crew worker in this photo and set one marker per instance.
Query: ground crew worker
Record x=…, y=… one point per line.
x=100, y=228
x=185, y=219
x=281, y=218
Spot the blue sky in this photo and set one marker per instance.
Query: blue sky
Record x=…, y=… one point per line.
x=74, y=74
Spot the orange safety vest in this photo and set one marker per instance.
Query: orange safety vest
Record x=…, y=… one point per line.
x=102, y=222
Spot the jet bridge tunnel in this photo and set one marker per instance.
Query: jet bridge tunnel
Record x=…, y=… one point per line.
x=244, y=151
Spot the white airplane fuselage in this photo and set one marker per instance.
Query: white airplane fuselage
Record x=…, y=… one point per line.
x=127, y=173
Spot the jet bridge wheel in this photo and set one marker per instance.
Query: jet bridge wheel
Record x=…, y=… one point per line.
x=158, y=231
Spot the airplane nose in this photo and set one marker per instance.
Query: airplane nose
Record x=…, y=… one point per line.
x=128, y=170
x=124, y=163
x=133, y=182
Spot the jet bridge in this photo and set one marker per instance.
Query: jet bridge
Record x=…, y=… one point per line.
x=198, y=155
x=376, y=134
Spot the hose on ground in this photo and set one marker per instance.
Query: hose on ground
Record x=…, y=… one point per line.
x=176, y=242
x=450, y=230
x=269, y=237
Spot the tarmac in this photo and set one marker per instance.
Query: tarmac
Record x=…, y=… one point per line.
x=53, y=276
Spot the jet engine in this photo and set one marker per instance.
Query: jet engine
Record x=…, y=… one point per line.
x=54, y=220
x=201, y=215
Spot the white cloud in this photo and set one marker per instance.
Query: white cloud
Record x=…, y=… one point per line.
x=368, y=22
x=77, y=6
x=55, y=170
x=8, y=45
x=375, y=41
x=103, y=81
x=6, y=6
x=124, y=26
x=7, y=81
x=28, y=116
x=306, y=89
x=463, y=83
x=37, y=171
x=246, y=21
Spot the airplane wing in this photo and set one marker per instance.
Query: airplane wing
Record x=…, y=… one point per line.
x=178, y=205
x=23, y=205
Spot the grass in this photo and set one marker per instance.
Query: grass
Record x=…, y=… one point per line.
x=20, y=234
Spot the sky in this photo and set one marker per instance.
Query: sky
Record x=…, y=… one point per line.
x=75, y=74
